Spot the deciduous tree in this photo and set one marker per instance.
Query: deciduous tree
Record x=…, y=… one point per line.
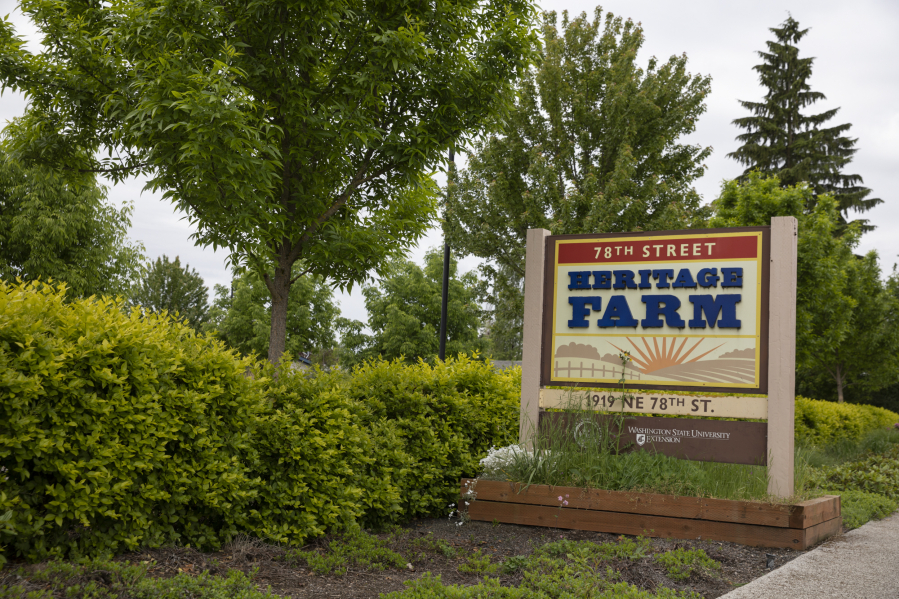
x=592, y=145
x=53, y=228
x=241, y=316
x=781, y=140
x=846, y=318
x=290, y=131
x=166, y=285
x=404, y=314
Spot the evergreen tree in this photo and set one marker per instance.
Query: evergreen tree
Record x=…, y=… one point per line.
x=166, y=285
x=780, y=140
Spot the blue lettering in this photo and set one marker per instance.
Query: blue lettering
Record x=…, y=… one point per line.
x=602, y=279
x=580, y=311
x=644, y=279
x=624, y=279
x=731, y=277
x=579, y=279
x=617, y=308
x=663, y=274
x=655, y=308
x=708, y=277
x=684, y=279
x=724, y=305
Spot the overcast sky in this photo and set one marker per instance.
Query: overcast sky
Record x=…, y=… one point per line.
x=856, y=50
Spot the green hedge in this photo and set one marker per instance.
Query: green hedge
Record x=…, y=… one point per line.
x=387, y=443
x=445, y=418
x=825, y=422
x=119, y=430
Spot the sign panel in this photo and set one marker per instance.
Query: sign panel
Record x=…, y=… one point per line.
x=689, y=439
x=689, y=307
x=655, y=403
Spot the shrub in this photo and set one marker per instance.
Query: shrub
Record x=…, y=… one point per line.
x=319, y=467
x=874, y=474
x=827, y=422
x=118, y=430
x=443, y=417
x=858, y=507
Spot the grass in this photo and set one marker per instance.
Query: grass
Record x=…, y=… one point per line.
x=879, y=441
x=120, y=580
x=859, y=507
x=353, y=548
x=680, y=564
x=564, y=569
x=559, y=459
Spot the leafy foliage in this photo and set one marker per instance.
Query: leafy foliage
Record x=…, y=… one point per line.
x=288, y=131
x=780, y=140
x=320, y=467
x=242, y=316
x=99, y=579
x=355, y=548
x=877, y=473
x=858, y=507
x=827, y=423
x=404, y=314
x=51, y=228
x=166, y=286
x=845, y=315
x=592, y=145
x=682, y=563
x=129, y=429
x=443, y=417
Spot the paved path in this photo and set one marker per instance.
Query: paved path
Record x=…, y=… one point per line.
x=862, y=564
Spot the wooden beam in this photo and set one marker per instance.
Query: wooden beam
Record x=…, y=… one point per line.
x=782, y=355
x=532, y=334
x=647, y=525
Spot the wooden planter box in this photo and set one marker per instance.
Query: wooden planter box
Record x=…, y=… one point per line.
x=793, y=526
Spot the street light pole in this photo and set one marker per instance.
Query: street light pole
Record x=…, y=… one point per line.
x=446, y=268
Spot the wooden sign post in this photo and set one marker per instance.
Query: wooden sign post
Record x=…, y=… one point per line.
x=697, y=311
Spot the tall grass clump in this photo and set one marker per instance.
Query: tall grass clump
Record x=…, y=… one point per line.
x=587, y=453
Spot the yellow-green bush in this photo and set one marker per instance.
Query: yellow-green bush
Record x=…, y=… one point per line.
x=120, y=430
x=117, y=430
x=827, y=422
x=445, y=418
x=319, y=467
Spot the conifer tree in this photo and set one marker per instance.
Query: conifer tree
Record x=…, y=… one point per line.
x=780, y=140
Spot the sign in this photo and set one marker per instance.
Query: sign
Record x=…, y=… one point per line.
x=699, y=440
x=705, y=317
x=689, y=307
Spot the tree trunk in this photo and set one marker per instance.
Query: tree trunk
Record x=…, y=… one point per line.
x=279, y=287
x=840, y=385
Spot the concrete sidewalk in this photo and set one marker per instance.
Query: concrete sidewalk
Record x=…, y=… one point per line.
x=862, y=564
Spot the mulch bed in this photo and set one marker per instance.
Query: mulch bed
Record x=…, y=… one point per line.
x=272, y=566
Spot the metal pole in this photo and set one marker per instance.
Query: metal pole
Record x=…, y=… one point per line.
x=446, y=268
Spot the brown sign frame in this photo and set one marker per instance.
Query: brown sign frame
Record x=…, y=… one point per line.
x=546, y=353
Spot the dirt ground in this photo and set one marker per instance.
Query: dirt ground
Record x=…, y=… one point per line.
x=275, y=567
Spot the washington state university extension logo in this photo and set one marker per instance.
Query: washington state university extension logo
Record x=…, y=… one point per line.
x=641, y=439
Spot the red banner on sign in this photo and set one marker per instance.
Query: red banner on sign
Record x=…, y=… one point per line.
x=659, y=250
